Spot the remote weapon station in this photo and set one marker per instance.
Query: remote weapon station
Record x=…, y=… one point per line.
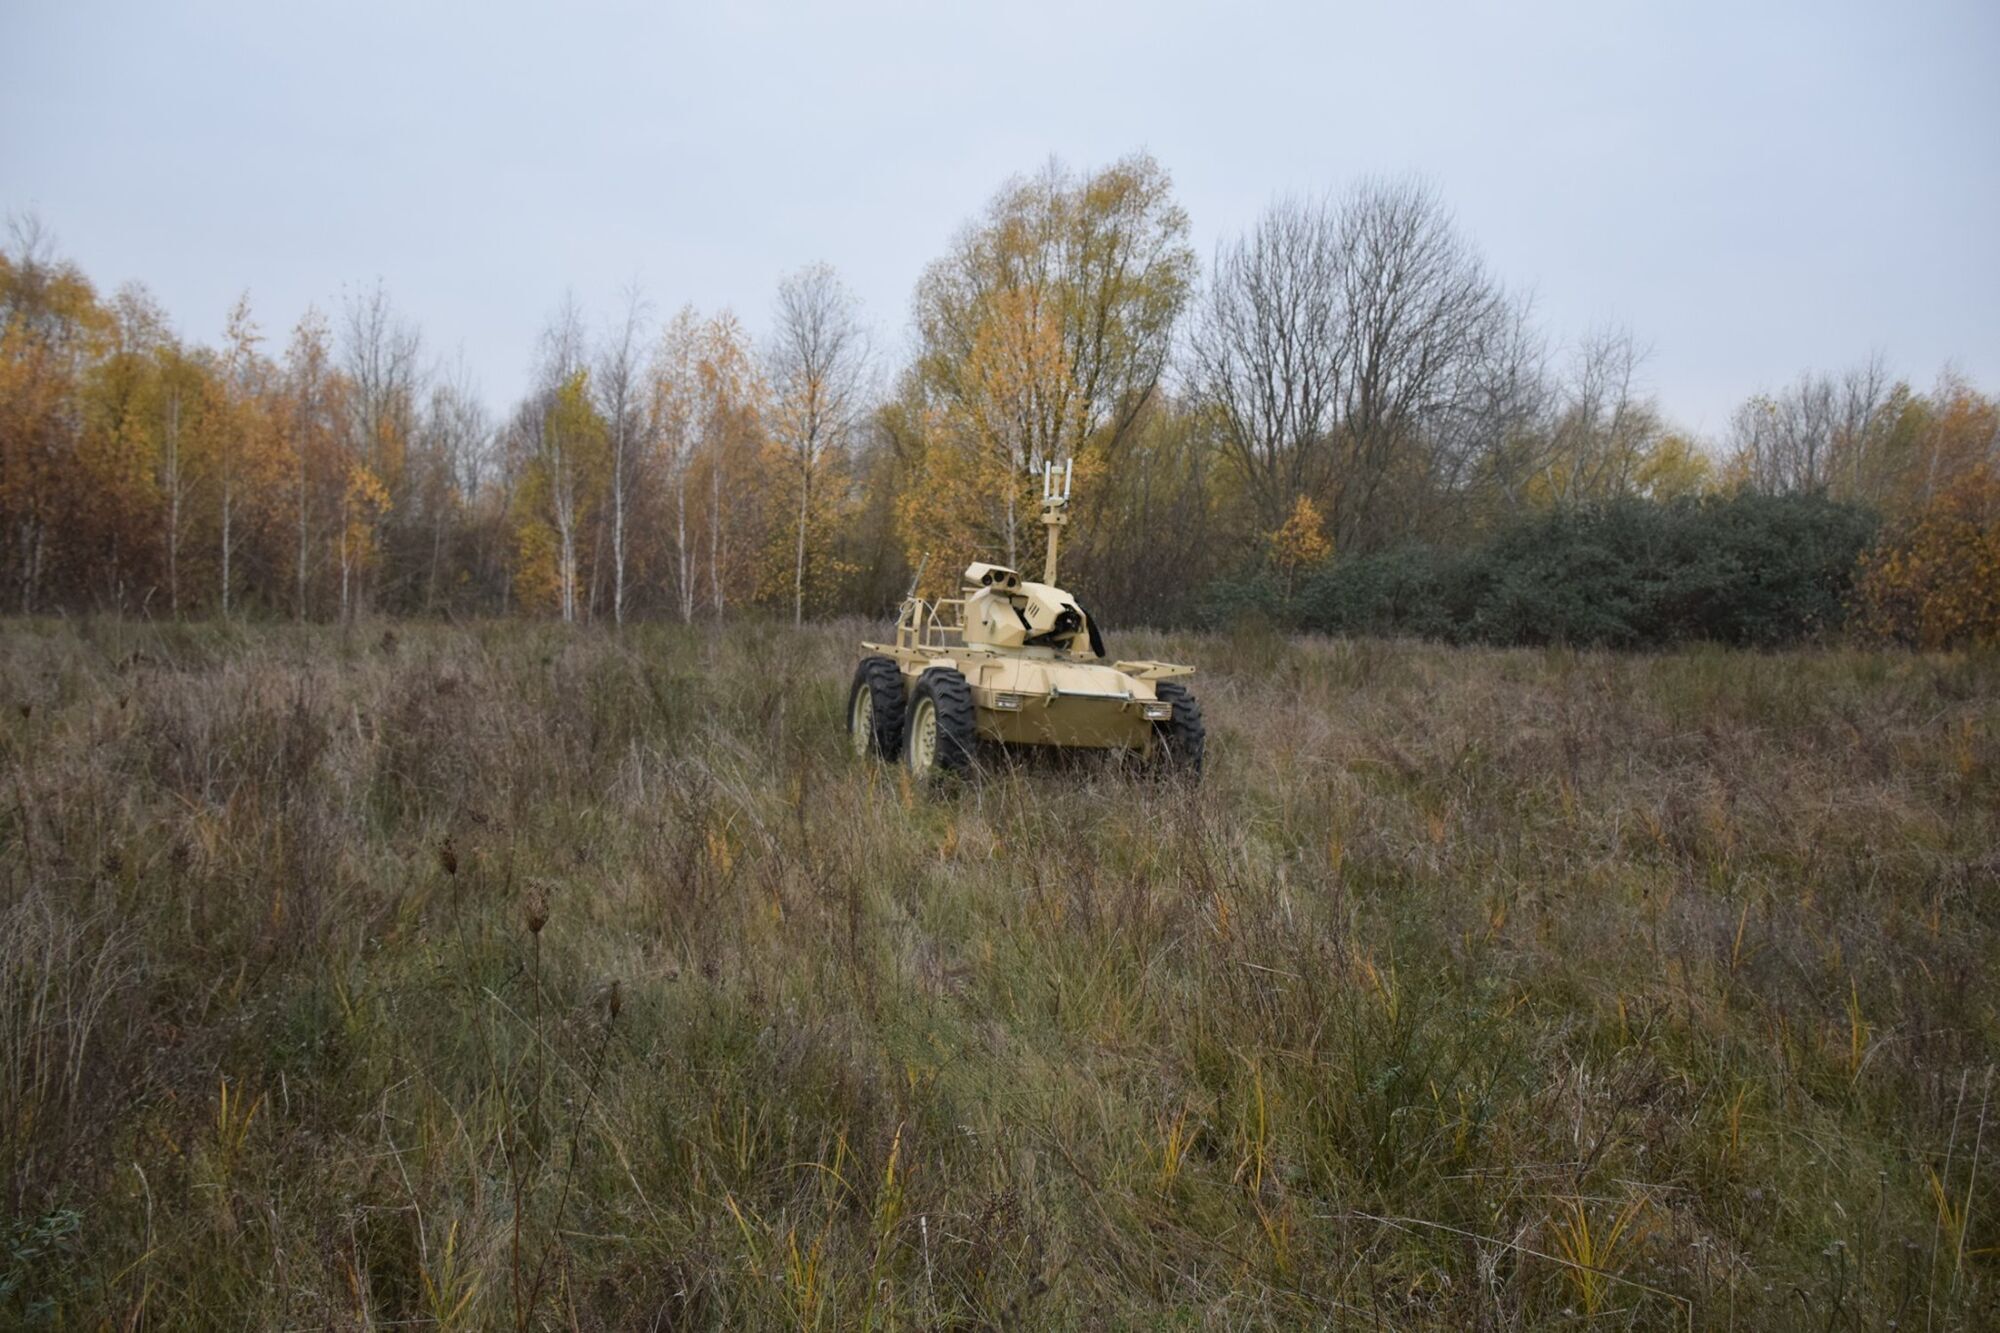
x=1016, y=663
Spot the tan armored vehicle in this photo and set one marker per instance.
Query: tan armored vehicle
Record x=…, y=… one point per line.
x=1018, y=663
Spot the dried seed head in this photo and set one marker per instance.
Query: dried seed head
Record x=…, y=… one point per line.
x=537, y=911
x=613, y=1000
x=448, y=856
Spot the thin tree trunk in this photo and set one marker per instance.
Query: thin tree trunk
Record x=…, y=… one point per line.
x=618, y=528
x=174, y=504
x=346, y=565
x=563, y=497
x=31, y=543
x=300, y=609
x=437, y=558
x=799, y=564
x=440, y=487
x=681, y=568
x=35, y=564
x=566, y=572
x=588, y=610
x=228, y=513
x=715, y=537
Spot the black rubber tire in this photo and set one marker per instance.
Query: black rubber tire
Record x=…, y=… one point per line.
x=1180, y=741
x=956, y=732
x=884, y=683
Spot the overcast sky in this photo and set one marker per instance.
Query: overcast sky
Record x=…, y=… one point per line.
x=1753, y=188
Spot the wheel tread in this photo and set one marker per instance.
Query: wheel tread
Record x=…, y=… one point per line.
x=957, y=728
x=1183, y=737
x=881, y=677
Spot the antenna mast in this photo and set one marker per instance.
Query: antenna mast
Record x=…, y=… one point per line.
x=1055, y=508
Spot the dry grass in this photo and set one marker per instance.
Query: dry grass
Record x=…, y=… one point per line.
x=499, y=977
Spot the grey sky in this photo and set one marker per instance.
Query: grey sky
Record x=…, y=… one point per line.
x=1753, y=188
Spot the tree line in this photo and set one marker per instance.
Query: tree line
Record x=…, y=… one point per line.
x=1345, y=379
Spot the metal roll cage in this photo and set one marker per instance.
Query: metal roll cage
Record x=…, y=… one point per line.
x=931, y=626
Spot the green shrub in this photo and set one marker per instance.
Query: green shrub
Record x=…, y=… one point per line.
x=1756, y=571
x=1251, y=596
x=1418, y=590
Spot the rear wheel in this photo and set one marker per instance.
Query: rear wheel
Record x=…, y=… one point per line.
x=875, y=709
x=1181, y=740
x=939, y=737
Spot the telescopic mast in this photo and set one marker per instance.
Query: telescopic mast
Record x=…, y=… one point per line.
x=1056, y=479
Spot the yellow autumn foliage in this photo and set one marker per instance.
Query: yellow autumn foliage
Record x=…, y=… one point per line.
x=1933, y=581
x=1300, y=542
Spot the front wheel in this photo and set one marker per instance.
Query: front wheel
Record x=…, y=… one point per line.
x=940, y=733
x=875, y=709
x=1180, y=741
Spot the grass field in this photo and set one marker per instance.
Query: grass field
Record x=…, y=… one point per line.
x=500, y=976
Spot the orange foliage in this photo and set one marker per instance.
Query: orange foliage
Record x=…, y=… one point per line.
x=1301, y=542
x=974, y=497
x=1934, y=580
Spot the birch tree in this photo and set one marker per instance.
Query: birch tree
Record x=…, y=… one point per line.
x=705, y=419
x=567, y=438
x=452, y=436
x=173, y=471
x=674, y=428
x=732, y=425
x=234, y=418
x=381, y=359
x=619, y=385
x=818, y=370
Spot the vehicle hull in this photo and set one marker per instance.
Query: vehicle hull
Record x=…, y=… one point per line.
x=1029, y=697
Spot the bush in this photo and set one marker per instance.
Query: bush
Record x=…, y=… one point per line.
x=1748, y=570
x=1417, y=591
x=1934, y=581
x=1252, y=596
x=1762, y=570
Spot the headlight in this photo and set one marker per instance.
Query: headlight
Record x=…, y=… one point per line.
x=1006, y=701
x=1157, y=712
